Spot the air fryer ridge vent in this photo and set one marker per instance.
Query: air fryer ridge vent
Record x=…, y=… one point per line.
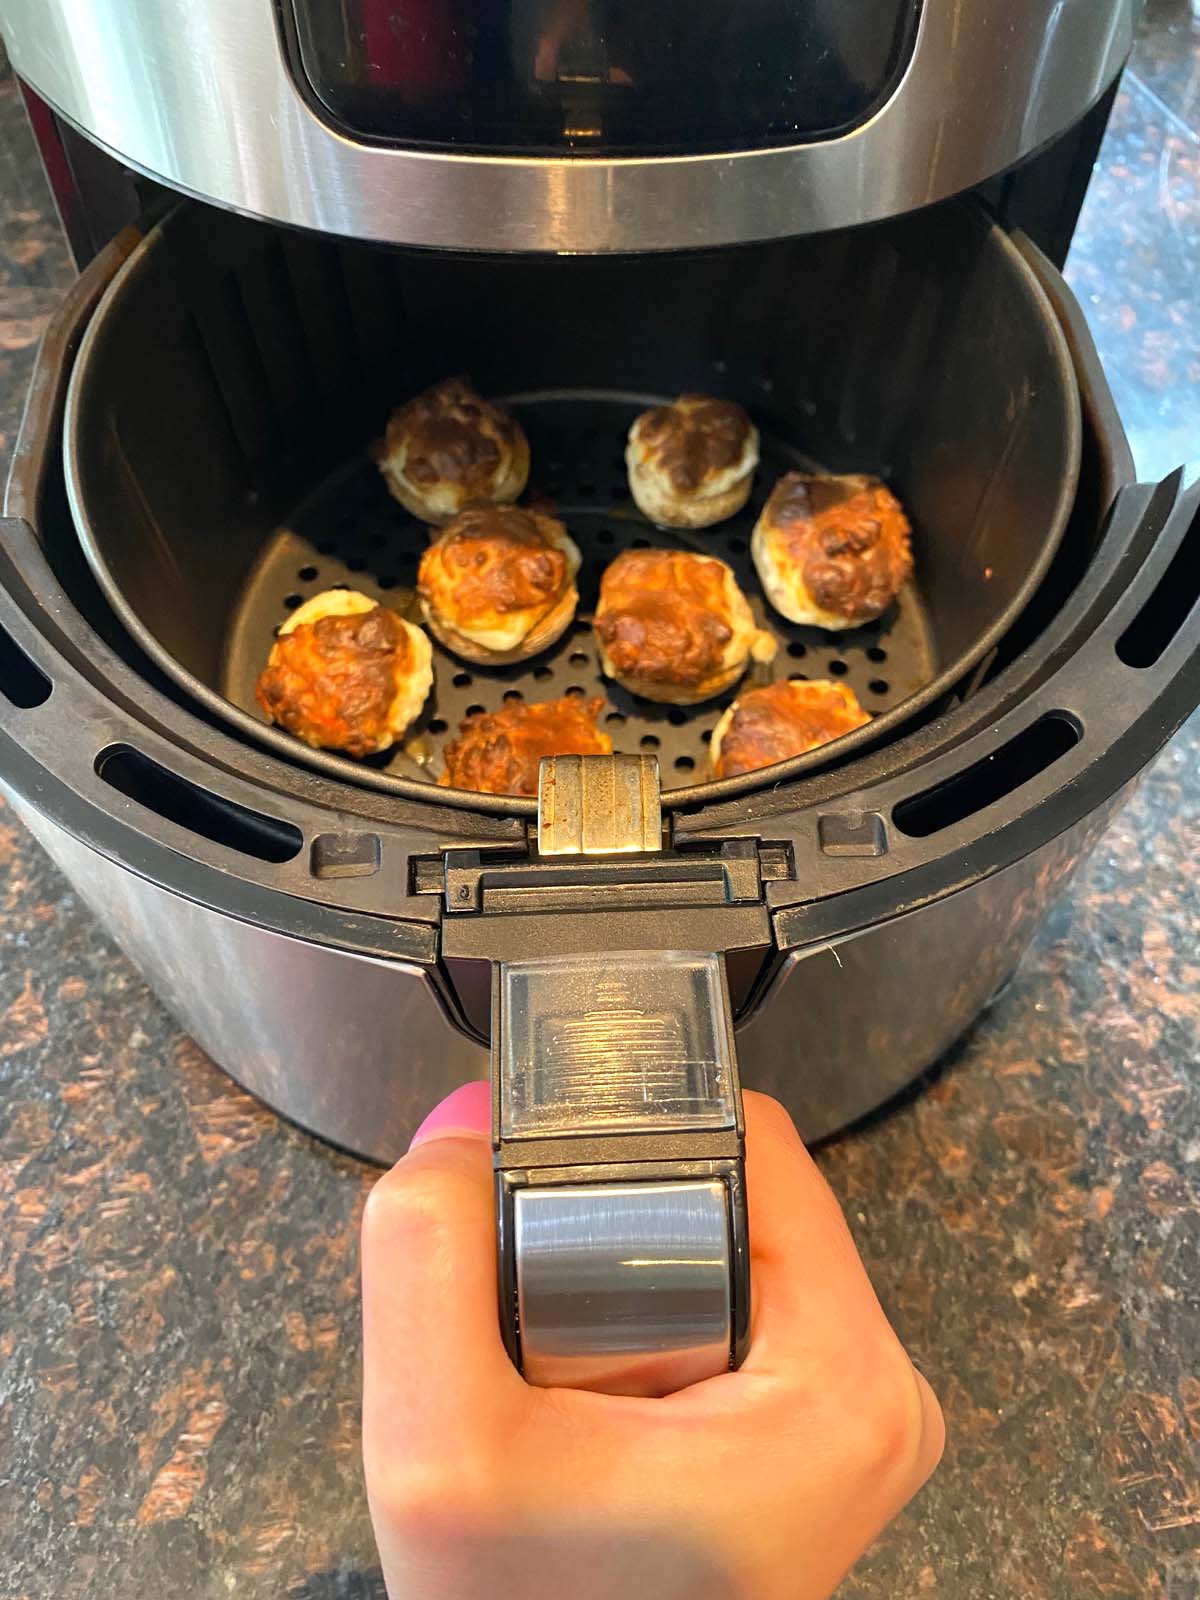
x=188, y=806
x=1168, y=608
x=21, y=683
x=1002, y=773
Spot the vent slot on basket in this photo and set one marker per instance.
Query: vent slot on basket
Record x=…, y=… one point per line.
x=998, y=775
x=1168, y=608
x=21, y=683
x=178, y=800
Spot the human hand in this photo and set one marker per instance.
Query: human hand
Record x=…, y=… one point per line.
x=761, y=1484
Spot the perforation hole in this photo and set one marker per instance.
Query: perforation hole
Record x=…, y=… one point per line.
x=578, y=658
x=616, y=719
x=388, y=581
x=838, y=668
x=650, y=741
x=511, y=696
x=878, y=686
x=684, y=764
x=438, y=725
x=797, y=651
x=676, y=717
x=876, y=653
x=706, y=736
x=307, y=574
x=542, y=673
x=576, y=692
x=474, y=711
x=291, y=601
x=461, y=680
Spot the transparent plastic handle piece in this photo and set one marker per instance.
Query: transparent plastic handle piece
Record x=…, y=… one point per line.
x=615, y=1044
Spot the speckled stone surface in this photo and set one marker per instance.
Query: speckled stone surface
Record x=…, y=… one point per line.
x=178, y=1296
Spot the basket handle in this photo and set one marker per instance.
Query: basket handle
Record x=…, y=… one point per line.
x=617, y=1134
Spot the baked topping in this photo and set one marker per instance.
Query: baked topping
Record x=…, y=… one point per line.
x=499, y=752
x=848, y=538
x=693, y=438
x=333, y=682
x=664, y=616
x=451, y=434
x=785, y=719
x=494, y=559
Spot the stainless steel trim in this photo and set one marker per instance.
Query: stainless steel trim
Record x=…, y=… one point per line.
x=623, y=1286
x=199, y=95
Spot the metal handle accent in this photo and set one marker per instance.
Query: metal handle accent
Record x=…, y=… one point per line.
x=618, y=1136
x=623, y=1285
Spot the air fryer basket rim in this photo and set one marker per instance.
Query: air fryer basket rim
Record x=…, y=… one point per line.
x=1120, y=745
x=343, y=769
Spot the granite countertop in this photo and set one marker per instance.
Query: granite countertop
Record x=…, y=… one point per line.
x=178, y=1267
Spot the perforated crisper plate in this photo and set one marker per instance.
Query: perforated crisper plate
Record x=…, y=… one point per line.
x=350, y=531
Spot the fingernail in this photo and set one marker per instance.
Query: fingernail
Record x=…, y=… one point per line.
x=466, y=1111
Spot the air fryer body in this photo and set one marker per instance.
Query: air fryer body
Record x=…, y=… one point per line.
x=330, y=940
x=357, y=1048
x=570, y=125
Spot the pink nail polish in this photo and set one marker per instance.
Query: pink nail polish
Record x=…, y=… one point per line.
x=466, y=1110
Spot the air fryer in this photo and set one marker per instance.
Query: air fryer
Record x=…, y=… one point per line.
x=193, y=464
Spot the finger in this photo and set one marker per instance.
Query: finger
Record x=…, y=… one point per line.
x=933, y=1432
x=434, y=1365
x=808, y=1283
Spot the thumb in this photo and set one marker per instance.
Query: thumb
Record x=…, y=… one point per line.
x=434, y=1363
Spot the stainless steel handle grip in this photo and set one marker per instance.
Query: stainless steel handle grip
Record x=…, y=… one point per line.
x=624, y=1285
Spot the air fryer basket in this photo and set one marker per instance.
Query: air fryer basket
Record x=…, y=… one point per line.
x=233, y=375
x=913, y=874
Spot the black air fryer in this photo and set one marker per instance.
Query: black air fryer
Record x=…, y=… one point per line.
x=849, y=216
